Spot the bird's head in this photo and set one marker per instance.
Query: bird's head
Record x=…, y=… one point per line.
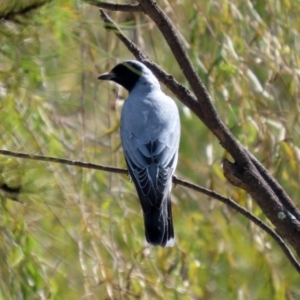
x=128, y=73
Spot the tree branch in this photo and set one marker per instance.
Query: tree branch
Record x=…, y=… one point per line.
x=176, y=181
x=276, y=187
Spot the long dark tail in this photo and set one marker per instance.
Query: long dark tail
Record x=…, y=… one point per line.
x=159, y=225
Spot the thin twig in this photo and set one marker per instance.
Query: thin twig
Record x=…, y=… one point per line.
x=176, y=181
x=245, y=213
x=63, y=161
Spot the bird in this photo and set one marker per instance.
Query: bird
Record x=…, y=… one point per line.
x=150, y=135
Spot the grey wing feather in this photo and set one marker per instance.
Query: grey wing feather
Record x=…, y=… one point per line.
x=151, y=166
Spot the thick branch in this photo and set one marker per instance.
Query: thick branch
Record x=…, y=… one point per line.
x=276, y=187
x=176, y=181
x=286, y=223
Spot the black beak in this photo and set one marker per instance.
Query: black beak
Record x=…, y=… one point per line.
x=107, y=76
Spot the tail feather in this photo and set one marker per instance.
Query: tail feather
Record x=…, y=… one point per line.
x=159, y=229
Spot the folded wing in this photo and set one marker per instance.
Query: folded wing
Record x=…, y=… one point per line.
x=151, y=166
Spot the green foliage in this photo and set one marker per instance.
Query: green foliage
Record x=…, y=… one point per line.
x=69, y=233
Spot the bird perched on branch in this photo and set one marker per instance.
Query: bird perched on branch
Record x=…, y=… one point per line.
x=150, y=133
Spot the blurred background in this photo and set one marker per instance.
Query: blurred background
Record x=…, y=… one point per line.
x=73, y=233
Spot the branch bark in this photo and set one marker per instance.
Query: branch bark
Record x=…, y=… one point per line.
x=246, y=170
